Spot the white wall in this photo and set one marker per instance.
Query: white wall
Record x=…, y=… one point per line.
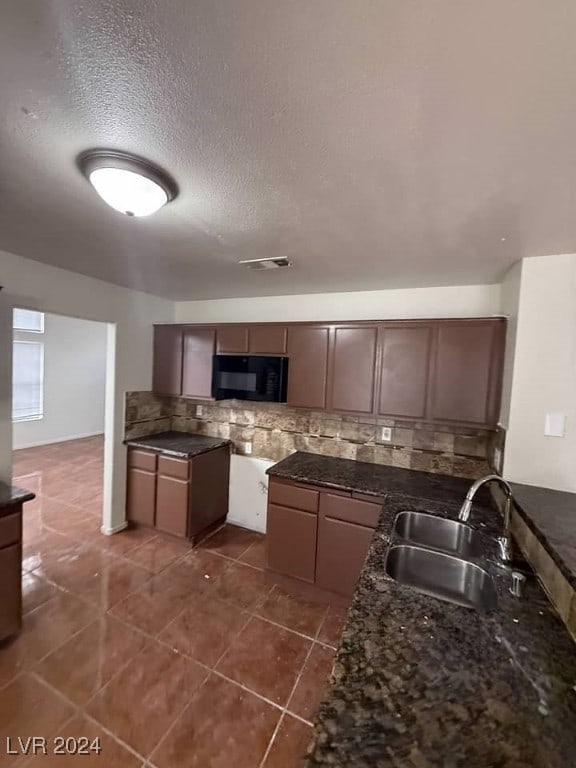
x=460, y=301
x=5, y=387
x=74, y=382
x=544, y=375
x=131, y=314
x=510, y=302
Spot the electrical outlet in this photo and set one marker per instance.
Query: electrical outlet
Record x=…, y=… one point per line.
x=247, y=449
x=386, y=434
x=199, y=410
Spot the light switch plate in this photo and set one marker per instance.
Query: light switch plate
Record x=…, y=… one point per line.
x=247, y=449
x=386, y=434
x=199, y=410
x=555, y=424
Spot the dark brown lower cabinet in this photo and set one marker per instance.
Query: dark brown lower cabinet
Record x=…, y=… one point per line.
x=10, y=590
x=292, y=545
x=11, y=572
x=182, y=497
x=326, y=542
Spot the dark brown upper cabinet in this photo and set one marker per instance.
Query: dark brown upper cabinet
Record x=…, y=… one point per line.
x=466, y=373
x=307, y=347
x=267, y=340
x=199, y=345
x=352, y=368
x=405, y=352
x=231, y=339
x=167, y=370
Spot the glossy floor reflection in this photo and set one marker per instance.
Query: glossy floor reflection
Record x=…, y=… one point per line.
x=171, y=656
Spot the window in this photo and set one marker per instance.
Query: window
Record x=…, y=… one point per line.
x=28, y=320
x=28, y=366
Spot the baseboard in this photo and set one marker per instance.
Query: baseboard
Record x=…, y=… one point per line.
x=115, y=529
x=243, y=524
x=55, y=442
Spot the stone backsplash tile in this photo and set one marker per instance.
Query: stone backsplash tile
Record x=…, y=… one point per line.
x=275, y=431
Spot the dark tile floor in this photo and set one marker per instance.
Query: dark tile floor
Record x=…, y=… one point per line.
x=172, y=656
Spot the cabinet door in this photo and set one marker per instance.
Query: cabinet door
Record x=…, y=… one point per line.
x=231, y=339
x=197, y=363
x=141, y=496
x=267, y=340
x=307, y=366
x=10, y=590
x=467, y=372
x=404, y=366
x=167, y=366
x=209, y=490
x=353, y=369
x=172, y=497
x=342, y=550
x=291, y=540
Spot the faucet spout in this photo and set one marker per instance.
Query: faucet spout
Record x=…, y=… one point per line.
x=504, y=541
x=466, y=507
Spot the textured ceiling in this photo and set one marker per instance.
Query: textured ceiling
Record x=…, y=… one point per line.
x=376, y=143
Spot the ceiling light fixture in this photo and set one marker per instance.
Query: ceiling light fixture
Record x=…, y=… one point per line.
x=130, y=184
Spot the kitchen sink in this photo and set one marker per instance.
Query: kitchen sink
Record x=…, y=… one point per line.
x=443, y=576
x=449, y=536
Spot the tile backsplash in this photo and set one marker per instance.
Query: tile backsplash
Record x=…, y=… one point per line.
x=274, y=431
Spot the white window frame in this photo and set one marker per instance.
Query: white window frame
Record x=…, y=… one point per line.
x=30, y=336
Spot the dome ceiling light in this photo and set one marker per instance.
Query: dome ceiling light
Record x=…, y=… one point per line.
x=130, y=184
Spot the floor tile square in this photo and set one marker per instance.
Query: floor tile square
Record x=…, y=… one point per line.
x=205, y=631
x=230, y=541
x=243, y=586
x=43, y=630
x=86, y=662
x=332, y=626
x=146, y=697
x=158, y=553
x=256, y=555
x=115, y=580
x=112, y=754
x=28, y=707
x=223, y=727
x=313, y=683
x=151, y=607
x=292, y=611
x=290, y=744
x=266, y=659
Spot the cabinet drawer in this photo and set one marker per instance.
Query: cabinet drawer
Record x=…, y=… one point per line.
x=142, y=459
x=179, y=468
x=10, y=529
x=350, y=510
x=293, y=496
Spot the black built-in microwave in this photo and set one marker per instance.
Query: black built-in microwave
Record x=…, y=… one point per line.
x=250, y=377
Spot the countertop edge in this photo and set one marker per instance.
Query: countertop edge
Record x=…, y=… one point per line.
x=543, y=538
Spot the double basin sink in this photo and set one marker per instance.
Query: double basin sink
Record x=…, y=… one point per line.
x=435, y=556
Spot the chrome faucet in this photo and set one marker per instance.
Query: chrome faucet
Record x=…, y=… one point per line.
x=504, y=541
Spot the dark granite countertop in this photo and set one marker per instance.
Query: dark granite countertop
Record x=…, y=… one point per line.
x=420, y=683
x=371, y=479
x=182, y=445
x=11, y=495
x=551, y=515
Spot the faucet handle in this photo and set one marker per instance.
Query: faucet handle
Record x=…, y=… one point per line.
x=518, y=583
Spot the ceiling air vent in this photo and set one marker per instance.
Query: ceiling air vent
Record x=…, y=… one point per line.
x=273, y=263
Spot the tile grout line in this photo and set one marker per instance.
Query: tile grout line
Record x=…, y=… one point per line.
x=81, y=712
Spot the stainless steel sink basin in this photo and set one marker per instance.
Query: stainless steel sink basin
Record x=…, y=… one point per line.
x=449, y=536
x=443, y=576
